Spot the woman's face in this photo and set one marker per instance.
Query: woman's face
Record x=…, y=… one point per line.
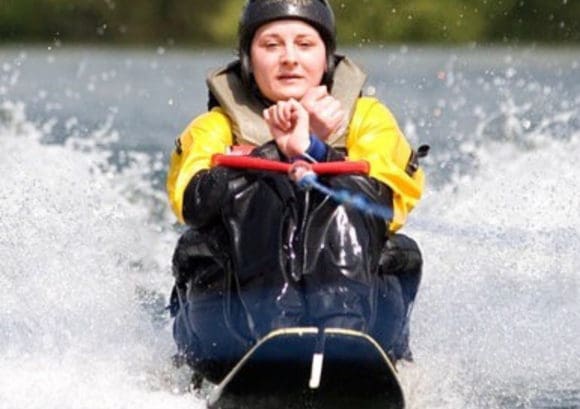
x=288, y=57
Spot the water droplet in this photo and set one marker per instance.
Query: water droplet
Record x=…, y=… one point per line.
x=510, y=72
x=526, y=123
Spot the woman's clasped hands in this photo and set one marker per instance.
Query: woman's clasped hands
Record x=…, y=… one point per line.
x=292, y=122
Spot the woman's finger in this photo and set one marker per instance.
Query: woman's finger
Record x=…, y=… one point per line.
x=277, y=117
x=266, y=115
x=286, y=114
x=313, y=96
x=322, y=105
x=332, y=109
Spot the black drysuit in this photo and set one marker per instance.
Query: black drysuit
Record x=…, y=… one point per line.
x=262, y=254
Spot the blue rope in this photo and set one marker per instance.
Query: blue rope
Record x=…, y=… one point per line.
x=357, y=201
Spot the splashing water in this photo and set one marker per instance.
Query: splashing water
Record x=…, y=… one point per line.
x=498, y=318
x=80, y=274
x=85, y=245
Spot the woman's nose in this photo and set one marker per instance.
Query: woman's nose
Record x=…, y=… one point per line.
x=289, y=55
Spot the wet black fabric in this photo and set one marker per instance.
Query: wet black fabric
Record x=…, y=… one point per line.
x=207, y=315
x=273, y=256
x=400, y=273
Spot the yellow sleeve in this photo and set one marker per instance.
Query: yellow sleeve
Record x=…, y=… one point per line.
x=374, y=136
x=205, y=136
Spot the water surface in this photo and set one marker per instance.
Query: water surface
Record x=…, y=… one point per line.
x=86, y=237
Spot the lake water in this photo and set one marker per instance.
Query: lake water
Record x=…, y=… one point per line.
x=86, y=236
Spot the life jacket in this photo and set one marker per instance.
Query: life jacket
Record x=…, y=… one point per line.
x=244, y=108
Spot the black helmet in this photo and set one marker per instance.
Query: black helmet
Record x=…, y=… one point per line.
x=256, y=13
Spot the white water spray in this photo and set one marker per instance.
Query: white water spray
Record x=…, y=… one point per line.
x=81, y=273
x=497, y=322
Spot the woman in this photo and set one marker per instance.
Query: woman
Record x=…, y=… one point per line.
x=261, y=253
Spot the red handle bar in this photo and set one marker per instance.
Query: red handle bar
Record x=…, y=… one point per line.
x=323, y=168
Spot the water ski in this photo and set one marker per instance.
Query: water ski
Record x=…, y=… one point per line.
x=298, y=368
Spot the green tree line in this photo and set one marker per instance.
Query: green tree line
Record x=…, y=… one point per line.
x=214, y=22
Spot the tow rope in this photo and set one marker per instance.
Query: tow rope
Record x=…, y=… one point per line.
x=309, y=179
x=343, y=196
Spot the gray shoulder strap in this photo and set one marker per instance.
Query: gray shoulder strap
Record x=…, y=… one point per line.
x=244, y=110
x=349, y=80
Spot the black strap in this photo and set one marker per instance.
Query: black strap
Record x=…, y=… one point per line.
x=413, y=164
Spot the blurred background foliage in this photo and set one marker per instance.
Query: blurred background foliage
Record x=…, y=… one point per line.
x=360, y=22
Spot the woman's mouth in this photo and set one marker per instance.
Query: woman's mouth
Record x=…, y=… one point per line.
x=288, y=77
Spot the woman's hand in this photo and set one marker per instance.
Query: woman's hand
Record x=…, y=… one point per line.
x=289, y=125
x=325, y=111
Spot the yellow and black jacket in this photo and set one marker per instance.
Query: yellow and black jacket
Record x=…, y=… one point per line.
x=372, y=135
